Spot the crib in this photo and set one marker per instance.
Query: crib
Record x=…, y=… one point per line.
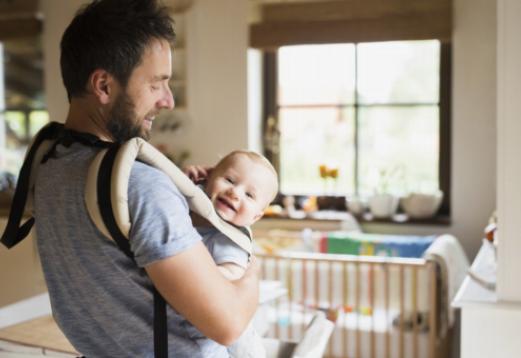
x=383, y=306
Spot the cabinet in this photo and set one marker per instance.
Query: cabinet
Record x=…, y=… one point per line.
x=489, y=327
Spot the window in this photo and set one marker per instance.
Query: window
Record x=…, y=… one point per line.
x=374, y=116
x=22, y=99
x=20, y=127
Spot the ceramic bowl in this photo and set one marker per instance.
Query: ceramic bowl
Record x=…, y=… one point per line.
x=356, y=206
x=383, y=205
x=421, y=206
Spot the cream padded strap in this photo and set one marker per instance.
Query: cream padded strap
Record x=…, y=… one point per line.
x=137, y=148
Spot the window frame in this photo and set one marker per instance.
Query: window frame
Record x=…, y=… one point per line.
x=270, y=109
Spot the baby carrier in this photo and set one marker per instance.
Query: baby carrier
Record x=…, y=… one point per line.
x=106, y=198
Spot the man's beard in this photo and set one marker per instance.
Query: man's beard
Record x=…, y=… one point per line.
x=123, y=123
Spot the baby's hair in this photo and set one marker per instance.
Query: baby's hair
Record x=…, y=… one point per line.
x=253, y=156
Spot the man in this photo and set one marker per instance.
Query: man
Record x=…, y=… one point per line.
x=116, y=64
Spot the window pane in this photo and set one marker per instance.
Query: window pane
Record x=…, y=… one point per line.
x=312, y=137
x=15, y=128
x=398, y=149
x=37, y=119
x=15, y=141
x=399, y=72
x=316, y=74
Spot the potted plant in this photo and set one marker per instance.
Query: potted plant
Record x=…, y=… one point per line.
x=383, y=204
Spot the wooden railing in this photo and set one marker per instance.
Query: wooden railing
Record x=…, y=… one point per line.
x=383, y=307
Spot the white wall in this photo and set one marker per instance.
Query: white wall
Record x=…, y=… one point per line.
x=217, y=38
x=217, y=43
x=474, y=119
x=58, y=14
x=509, y=147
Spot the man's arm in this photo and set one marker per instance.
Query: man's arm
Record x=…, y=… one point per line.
x=231, y=271
x=192, y=284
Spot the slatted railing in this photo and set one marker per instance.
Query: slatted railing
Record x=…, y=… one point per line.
x=384, y=307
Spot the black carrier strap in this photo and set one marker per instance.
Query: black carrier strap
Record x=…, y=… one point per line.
x=160, y=326
x=105, y=205
x=14, y=233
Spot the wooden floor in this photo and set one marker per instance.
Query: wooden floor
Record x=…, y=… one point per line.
x=41, y=333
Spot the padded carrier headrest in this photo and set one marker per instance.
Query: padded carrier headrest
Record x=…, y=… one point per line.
x=124, y=158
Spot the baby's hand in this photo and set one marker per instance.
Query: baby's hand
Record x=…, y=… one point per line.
x=197, y=173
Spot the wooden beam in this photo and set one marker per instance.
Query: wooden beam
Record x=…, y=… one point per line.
x=350, y=9
x=20, y=27
x=14, y=7
x=400, y=27
x=330, y=21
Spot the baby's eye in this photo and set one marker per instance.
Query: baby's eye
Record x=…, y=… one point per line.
x=229, y=180
x=250, y=195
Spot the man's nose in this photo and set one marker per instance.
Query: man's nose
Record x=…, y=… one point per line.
x=167, y=101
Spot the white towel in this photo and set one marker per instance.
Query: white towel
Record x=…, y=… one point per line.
x=447, y=252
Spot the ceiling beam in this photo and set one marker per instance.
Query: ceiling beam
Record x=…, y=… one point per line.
x=26, y=26
x=14, y=7
x=333, y=21
x=333, y=10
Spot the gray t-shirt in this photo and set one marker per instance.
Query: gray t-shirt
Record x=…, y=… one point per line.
x=101, y=300
x=221, y=248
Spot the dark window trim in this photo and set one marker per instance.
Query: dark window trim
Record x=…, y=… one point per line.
x=270, y=108
x=270, y=100
x=445, y=126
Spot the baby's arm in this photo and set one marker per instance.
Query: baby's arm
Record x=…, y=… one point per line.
x=232, y=261
x=231, y=271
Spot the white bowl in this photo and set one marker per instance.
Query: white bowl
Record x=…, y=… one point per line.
x=383, y=205
x=421, y=206
x=356, y=206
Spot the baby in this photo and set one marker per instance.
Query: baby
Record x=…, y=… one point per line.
x=241, y=186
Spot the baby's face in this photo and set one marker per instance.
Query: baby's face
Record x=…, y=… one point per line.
x=241, y=190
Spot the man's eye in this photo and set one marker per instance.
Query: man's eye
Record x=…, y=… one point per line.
x=155, y=88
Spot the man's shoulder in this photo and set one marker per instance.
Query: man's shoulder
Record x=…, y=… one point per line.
x=143, y=173
x=147, y=183
x=141, y=168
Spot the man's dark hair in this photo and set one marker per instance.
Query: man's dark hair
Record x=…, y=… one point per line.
x=110, y=35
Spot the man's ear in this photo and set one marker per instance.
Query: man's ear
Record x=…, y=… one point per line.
x=102, y=85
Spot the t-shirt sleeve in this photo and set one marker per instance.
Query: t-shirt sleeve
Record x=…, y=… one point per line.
x=161, y=225
x=224, y=250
